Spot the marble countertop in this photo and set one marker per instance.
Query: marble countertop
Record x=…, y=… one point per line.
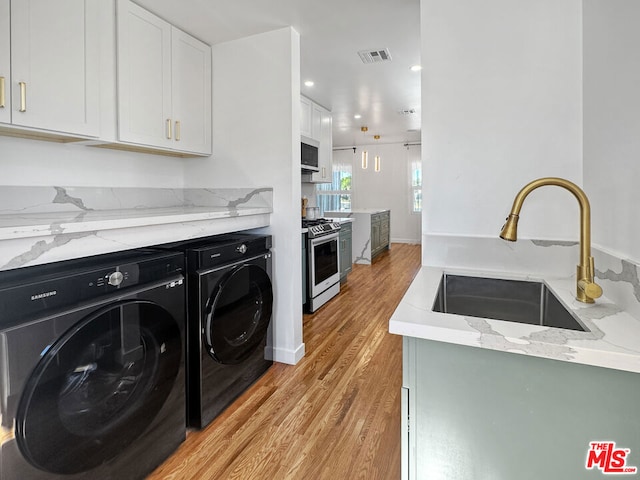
x=613, y=339
x=43, y=224
x=48, y=223
x=367, y=211
x=341, y=219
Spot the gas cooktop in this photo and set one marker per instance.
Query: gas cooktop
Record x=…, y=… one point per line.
x=320, y=227
x=310, y=223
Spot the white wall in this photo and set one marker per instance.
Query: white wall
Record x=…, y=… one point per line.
x=501, y=103
x=36, y=162
x=612, y=123
x=388, y=188
x=256, y=142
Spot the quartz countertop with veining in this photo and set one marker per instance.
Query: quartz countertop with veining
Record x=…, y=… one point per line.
x=36, y=224
x=46, y=224
x=613, y=339
x=341, y=220
x=366, y=211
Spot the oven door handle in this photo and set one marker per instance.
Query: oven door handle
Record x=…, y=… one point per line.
x=324, y=239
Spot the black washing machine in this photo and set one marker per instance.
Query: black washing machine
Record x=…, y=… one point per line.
x=92, y=367
x=229, y=305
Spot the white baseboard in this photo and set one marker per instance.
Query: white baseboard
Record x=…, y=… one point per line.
x=283, y=355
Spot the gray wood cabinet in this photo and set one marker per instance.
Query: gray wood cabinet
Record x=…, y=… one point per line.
x=380, y=223
x=346, y=247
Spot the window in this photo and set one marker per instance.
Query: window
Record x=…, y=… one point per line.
x=336, y=196
x=416, y=185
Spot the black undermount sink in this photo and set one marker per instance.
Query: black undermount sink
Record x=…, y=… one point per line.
x=499, y=299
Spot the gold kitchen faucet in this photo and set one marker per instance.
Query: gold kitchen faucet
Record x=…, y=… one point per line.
x=586, y=289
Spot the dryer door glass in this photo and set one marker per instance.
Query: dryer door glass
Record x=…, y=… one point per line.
x=238, y=314
x=98, y=387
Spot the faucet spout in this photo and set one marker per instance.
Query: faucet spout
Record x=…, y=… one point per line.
x=586, y=289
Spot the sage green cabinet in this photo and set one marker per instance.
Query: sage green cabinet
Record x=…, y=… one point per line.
x=346, y=247
x=476, y=414
x=380, y=223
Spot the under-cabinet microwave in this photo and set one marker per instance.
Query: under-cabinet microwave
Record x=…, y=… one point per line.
x=309, y=155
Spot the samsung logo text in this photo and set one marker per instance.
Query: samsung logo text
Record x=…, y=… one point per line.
x=44, y=295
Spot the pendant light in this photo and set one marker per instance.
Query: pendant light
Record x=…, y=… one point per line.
x=365, y=154
x=376, y=163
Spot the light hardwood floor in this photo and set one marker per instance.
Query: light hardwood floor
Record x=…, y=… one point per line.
x=336, y=414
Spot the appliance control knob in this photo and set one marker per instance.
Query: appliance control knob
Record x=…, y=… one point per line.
x=116, y=278
x=242, y=248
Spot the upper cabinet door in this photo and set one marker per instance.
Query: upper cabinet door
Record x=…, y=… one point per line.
x=325, y=151
x=144, y=77
x=54, y=64
x=305, y=117
x=316, y=122
x=191, y=98
x=5, y=63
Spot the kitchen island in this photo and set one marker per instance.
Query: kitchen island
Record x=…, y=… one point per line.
x=371, y=232
x=491, y=399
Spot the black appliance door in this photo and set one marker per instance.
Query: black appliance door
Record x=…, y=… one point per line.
x=309, y=157
x=238, y=314
x=325, y=259
x=98, y=387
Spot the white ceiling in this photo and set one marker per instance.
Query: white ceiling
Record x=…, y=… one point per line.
x=331, y=34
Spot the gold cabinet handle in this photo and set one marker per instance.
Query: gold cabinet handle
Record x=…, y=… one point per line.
x=177, y=130
x=324, y=172
x=2, y=97
x=23, y=96
x=168, y=128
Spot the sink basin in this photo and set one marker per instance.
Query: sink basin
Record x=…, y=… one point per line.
x=499, y=299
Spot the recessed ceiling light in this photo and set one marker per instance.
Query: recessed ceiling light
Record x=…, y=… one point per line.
x=309, y=83
x=357, y=116
x=416, y=68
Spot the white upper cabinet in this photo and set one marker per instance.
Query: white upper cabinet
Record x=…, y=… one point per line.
x=305, y=117
x=316, y=121
x=316, y=124
x=164, y=84
x=54, y=79
x=144, y=77
x=191, y=92
x=5, y=63
x=310, y=119
x=325, y=150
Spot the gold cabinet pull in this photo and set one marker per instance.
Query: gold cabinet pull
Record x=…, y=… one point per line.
x=168, y=128
x=2, y=97
x=23, y=96
x=177, y=130
x=324, y=172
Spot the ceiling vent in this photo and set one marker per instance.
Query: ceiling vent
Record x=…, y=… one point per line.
x=375, y=56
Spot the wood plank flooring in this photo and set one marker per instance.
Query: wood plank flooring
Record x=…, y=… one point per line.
x=336, y=414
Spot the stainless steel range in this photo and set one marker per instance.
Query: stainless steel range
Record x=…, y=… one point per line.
x=323, y=260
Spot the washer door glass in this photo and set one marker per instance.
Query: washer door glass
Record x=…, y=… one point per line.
x=98, y=387
x=238, y=314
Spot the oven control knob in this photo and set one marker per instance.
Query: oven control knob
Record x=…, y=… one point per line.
x=242, y=248
x=116, y=278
